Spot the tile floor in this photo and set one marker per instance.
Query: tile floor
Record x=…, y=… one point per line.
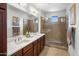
x=54, y=51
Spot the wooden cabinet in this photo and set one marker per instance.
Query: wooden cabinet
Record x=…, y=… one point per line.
x=28, y=50
x=18, y=53
x=3, y=29
x=41, y=44
x=33, y=49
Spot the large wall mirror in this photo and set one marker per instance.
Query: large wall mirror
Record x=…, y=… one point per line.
x=30, y=25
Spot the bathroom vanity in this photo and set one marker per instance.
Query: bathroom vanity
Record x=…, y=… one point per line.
x=19, y=43
x=31, y=46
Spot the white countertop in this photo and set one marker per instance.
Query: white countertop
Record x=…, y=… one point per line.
x=13, y=47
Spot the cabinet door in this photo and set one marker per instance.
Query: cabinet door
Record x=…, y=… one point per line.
x=35, y=48
x=28, y=50
x=39, y=46
x=42, y=43
x=1, y=30
x=25, y=49
x=4, y=32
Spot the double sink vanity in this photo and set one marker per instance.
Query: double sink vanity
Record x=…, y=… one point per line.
x=23, y=46
x=14, y=40
x=21, y=24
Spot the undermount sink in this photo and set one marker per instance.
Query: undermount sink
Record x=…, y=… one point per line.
x=18, y=42
x=21, y=40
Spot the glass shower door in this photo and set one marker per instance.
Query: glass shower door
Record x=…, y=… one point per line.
x=54, y=29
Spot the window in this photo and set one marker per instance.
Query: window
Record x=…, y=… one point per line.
x=54, y=19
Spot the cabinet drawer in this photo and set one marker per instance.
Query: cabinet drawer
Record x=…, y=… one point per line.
x=18, y=53
x=29, y=52
x=25, y=49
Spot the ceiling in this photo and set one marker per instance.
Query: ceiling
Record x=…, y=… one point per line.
x=50, y=7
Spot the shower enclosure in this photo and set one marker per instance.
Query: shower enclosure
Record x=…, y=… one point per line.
x=55, y=30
